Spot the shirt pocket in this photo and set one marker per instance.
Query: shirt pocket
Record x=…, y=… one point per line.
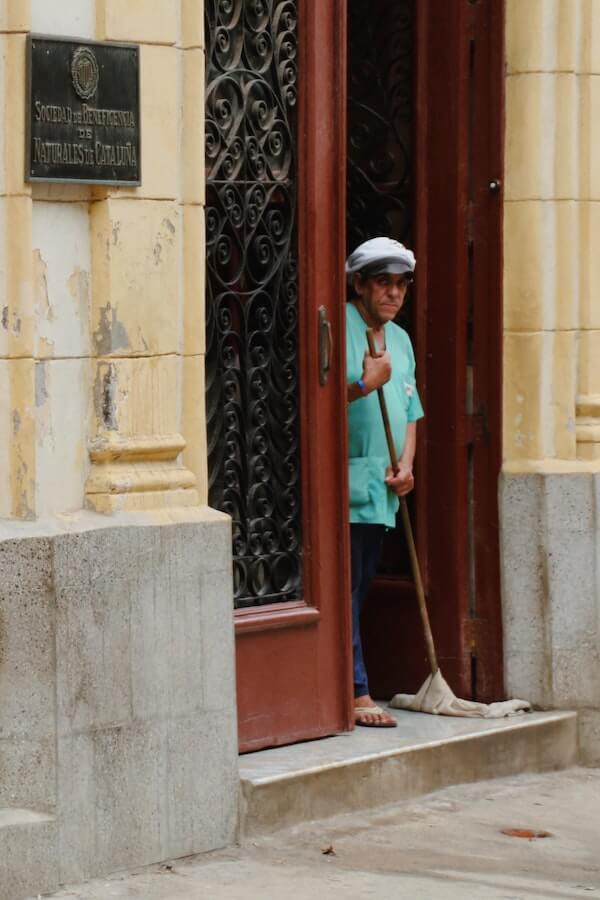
x=359, y=480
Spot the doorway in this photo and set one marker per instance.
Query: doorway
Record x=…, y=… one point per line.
x=432, y=91
x=419, y=130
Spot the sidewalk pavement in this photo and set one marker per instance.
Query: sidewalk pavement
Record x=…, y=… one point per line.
x=448, y=845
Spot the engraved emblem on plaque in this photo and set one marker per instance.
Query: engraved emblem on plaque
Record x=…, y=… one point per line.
x=84, y=71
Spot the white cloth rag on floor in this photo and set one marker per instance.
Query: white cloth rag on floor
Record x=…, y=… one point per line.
x=436, y=697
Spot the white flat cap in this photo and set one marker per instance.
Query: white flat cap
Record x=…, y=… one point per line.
x=379, y=255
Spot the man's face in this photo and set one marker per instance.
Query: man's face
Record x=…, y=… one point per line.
x=381, y=296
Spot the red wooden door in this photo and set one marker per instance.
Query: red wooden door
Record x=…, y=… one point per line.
x=293, y=652
x=457, y=118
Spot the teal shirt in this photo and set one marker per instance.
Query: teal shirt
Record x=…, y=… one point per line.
x=371, y=501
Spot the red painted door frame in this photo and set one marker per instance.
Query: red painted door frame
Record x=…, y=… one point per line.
x=459, y=122
x=294, y=659
x=482, y=632
x=461, y=89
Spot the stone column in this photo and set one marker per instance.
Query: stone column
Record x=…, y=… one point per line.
x=588, y=398
x=17, y=365
x=541, y=230
x=139, y=326
x=194, y=250
x=550, y=490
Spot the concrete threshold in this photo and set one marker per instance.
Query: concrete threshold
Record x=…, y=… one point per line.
x=371, y=767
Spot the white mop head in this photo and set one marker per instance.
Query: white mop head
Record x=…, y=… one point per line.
x=436, y=697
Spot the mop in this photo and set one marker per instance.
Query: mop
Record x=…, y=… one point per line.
x=435, y=695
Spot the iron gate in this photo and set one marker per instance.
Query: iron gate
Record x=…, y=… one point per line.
x=252, y=291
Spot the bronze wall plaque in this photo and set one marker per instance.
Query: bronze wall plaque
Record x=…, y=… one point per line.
x=83, y=112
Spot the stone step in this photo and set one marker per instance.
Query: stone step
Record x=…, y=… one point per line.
x=28, y=854
x=371, y=767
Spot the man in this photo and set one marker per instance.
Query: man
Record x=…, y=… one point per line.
x=380, y=271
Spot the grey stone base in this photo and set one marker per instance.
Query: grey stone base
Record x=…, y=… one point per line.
x=589, y=736
x=28, y=854
x=550, y=526
x=117, y=696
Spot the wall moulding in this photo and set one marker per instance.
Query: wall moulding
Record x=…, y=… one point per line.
x=110, y=447
x=138, y=472
x=588, y=427
x=551, y=466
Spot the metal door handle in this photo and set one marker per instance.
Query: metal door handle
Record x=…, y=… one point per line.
x=325, y=345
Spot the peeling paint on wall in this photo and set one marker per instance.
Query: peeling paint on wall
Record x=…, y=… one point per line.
x=105, y=396
x=110, y=334
x=79, y=289
x=16, y=321
x=167, y=233
x=22, y=508
x=46, y=347
x=40, y=281
x=41, y=391
x=42, y=394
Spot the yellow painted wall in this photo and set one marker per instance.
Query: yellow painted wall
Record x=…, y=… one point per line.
x=552, y=235
x=102, y=337
x=124, y=329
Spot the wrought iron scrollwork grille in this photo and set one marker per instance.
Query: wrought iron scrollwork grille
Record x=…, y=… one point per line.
x=252, y=292
x=380, y=114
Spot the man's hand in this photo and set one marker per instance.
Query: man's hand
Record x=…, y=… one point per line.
x=402, y=483
x=377, y=370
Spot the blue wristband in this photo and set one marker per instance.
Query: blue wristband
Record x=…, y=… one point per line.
x=362, y=386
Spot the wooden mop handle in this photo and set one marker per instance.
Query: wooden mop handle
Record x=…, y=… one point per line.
x=416, y=570
x=383, y=407
x=412, y=551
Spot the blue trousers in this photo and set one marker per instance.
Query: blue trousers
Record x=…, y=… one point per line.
x=365, y=552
